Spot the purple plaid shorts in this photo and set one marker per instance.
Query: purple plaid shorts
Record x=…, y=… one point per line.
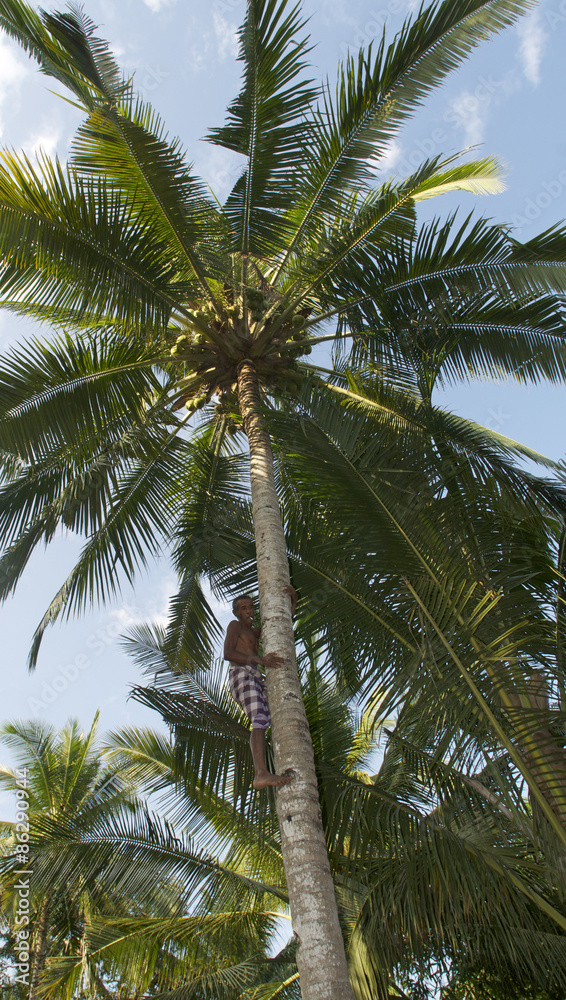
x=247, y=687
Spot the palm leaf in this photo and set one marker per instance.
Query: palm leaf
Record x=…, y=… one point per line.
x=266, y=123
x=376, y=95
x=75, y=245
x=137, y=522
x=129, y=146
x=65, y=47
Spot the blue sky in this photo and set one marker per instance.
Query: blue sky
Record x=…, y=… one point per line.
x=507, y=100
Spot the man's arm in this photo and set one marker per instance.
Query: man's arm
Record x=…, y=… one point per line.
x=293, y=595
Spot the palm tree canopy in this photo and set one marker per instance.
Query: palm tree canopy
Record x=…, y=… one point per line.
x=157, y=292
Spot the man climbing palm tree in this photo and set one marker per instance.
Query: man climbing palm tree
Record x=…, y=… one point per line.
x=247, y=685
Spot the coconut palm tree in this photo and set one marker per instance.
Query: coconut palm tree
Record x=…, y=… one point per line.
x=111, y=884
x=66, y=786
x=429, y=561
x=163, y=298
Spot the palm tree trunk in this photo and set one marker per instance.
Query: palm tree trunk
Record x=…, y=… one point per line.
x=321, y=956
x=548, y=764
x=40, y=949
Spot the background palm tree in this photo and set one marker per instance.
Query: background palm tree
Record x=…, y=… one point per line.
x=433, y=869
x=163, y=298
x=118, y=898
x=68, y=789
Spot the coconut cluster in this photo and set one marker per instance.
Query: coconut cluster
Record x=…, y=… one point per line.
x=196, y=403
x=216, y=339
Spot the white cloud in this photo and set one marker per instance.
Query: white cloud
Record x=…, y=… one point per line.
x=12, y=72
x=467, y=111
x=386, y=163
x=156, y=5
x=533, y=38
x=121, y=619
x=226, y=36
x=220, y=168
x=197, y=61
x=337, y=11
x=154, y=611
x=45, y=141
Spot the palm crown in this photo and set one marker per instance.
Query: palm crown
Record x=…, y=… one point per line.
x=160, y=293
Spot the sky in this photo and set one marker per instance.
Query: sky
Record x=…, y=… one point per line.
x=507, y=101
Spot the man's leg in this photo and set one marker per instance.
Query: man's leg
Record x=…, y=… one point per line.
x=250, y=693
x=262, y=777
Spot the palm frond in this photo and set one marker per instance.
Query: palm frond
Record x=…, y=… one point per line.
x=386, y=217
x=74, y=392
x=267, y=124
x=134, y=529
x=376, y=94
x=76, y=244
x=66, y=48
x=128, y=145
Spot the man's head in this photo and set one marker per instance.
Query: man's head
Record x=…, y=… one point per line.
x=243, y=608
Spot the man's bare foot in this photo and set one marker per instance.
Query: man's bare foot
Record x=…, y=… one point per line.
x=267, y=780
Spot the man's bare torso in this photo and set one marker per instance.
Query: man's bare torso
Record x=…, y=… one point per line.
x=241, y=644
x=242, y=638
x=247, y=640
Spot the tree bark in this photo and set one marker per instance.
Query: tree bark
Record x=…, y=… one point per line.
x=321, y=957
x=40, y=950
